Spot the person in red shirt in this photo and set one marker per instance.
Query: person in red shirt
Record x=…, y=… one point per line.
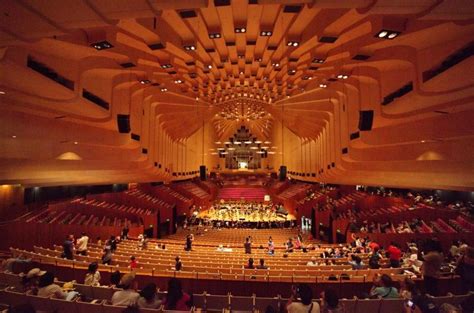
x=373, y=246
x=394, y=254
x=133, y=262
x=176, y=299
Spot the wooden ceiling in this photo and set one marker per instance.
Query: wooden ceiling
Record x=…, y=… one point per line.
x=308, y=66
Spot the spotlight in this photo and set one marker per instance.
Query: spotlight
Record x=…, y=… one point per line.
x=240, y=30
x=190, y=48
x=266, y=33
x=323, y=85
x=316, y=60
x=209, y=66
x=214, y=35
x=293, y=43
x=76, y=143
x=102, y=45
x=342, y=76
x=14, y=136
x=276, y=64
x=291, y=72
x=167, y=65
x=145, y=81
x=387, y=34
x=178, y=81
x=2, y=92
x=164, y=90
x=259, y=60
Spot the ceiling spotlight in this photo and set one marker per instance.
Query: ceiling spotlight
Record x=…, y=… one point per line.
x=75, y=142
x=323, y=85
x=240, y=30
x=178, y=81
x=342, y=76
x=197, y=98
x=2, y=92
x=259, y=60
x=316, y=60
x=276, y=64
x=292, y=72
x=163, y=89
x=14, y=136
x=102, y=45
x=387, y=34
x=190, y=48
x=209, y=66
x=293, y=43
x=145, y=81
x=266, y=33
x=165, y=66
x=214, y=35
x=241, y=73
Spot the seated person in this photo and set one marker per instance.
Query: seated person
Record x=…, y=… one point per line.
x=301, y=300
x=47, y=287
x=250, y=264
x=176, y=299
x=178, y=264
x=127, y=296
x=312, y=262
x=93, y=275
x=383, y=288
x=262, y=265
x=356, y=262
x=289, y=245
x=149, y=298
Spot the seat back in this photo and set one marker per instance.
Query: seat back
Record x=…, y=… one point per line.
x=349, y=305
x=367, y=305
x=392, y=306
x=238, y=303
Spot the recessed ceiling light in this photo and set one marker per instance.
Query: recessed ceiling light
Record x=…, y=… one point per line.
x=214, y=35
x=190, y=48
x=2, y=92
x=102, y=45
x=75, y=142
x=323, y=85
x=165, y=66
x=178, y=81
x=317, y=60
x=240, y=30
x=387, y=34
x=145, y=81
x=266, y=33
x=293, y=43
x=14, y=136
x=209, y=66
x=164, y=89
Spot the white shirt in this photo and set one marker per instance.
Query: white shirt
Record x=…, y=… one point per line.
x=125, y=297
x=51, y=290
x=92, y=279
x=82, y=243
x=298, y=307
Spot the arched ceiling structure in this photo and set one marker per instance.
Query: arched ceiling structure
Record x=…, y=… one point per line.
x=185, y=74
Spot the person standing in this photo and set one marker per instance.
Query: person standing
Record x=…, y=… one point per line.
x=430, y=269
x=394, y=254
x=68, y=248
x=189, y=242
x=125, y=231
x=248, y=246
x=82, y=244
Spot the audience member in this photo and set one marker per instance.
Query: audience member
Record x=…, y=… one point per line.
x=248, y=246
x=189, y=242
x=92, y=275
x=68, y=248
x=133, y=262
x=301, y=300
x=465, y=268
x=312, y=262
x=330, y=302
x=250, y=264
x=394, y=253
x=262, y=265
x=178, y=264
x=107, y=256
x=356, y=262
x=176, y=299
x=127, y=296
x=30, y=281
x=430, y=268
x=115, y=279
x=149, y=298
x=47, y=287
x=383, y=288
x=82, y=244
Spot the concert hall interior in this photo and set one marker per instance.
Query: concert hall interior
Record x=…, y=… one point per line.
x=180, y=139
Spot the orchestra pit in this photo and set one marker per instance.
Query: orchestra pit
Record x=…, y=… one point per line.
x=300, y=156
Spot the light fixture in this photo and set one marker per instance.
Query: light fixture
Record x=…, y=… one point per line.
x=293, y=43
x=291, y=72
x=258, y=59
x=254, y=148
x=231, y=149
x=271, y=152
x=237, y=142
x=258, y=142
x=248, y=142
x=387, y=34
x=323, y=85
x=267, y=142
x=178, y=81
x=145, y=81
x=240, y=30
x=209, y=66
x=102, y=45
x=266, y=33
x=197, y=98
x=2, y=92
x=317, y=60
x=276, y=64
x=14, y=136
x=227, y=143
x=190, y=48
x=343, y=76
x=167, y=65
x=214, y=35
x=75, y=142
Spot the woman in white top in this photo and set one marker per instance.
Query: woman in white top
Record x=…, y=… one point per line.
x=304, y=293
x=92, y=275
